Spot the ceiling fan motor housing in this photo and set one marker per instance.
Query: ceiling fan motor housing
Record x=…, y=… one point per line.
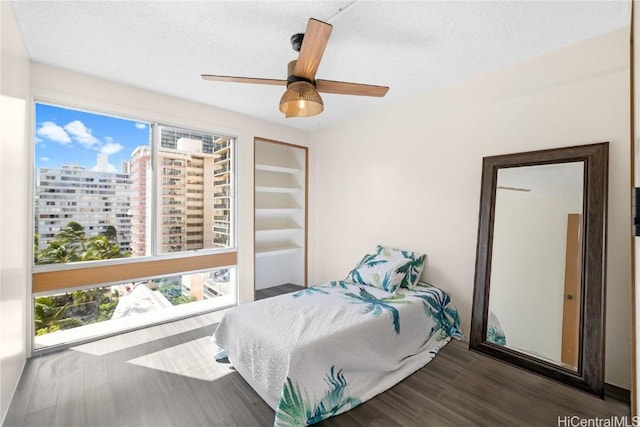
x=296, y=41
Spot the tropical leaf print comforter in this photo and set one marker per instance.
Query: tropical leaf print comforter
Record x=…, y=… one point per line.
x=324, y=350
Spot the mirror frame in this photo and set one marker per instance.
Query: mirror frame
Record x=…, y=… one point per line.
x=590, y=373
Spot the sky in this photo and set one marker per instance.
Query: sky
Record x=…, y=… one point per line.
x=65, y=136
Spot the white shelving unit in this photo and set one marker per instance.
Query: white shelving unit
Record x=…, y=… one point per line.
x=280, y=217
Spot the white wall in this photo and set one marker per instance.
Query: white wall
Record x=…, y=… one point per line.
x=14, y=110
x=409, y=175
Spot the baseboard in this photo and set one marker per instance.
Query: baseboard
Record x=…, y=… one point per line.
x=618, y=393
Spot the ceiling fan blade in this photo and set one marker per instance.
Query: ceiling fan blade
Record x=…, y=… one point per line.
x=313, y=45
x=345, y=88
x=275, y=82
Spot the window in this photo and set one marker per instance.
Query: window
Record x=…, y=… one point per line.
x=111, y=192
x=65, y=317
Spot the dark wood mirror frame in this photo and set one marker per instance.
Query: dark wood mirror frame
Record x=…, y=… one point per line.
x=589, y=375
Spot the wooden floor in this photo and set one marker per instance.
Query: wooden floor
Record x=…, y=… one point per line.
x=166, y=376
x=277, y=290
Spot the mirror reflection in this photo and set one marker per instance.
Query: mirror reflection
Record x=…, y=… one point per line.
x=535, y=296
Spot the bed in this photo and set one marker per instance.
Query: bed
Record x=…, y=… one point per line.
x=324, y=350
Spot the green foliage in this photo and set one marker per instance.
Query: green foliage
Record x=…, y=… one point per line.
x=182, y=299
x=82, y=307
x=100, y=247
x=172, y=290
x=111, y=233
x=36, y=243
x=107, y=309
x=72, y=245
x=47, y=313
x=58, y=252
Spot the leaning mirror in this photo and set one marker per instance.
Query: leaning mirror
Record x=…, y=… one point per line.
x=540, y=264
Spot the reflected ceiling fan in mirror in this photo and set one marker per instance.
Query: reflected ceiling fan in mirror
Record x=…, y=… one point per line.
x=301, y=99
x=502, y=187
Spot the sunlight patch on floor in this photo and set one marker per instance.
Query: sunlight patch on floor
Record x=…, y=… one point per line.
x=192, y=359
x=129, y=339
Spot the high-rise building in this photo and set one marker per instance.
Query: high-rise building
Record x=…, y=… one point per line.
x=222, y=214
x=193, y=191
x=186, y=200
x=125, y=167
x=140, y=181
x=96, y=199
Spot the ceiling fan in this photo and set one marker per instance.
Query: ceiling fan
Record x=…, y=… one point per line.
x=301, y=99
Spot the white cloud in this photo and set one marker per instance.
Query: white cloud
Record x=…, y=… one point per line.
x=111, y=148
x=81, y=133
x=52, y=131
x=141, y=126
x=44, y=159
x=110, y=168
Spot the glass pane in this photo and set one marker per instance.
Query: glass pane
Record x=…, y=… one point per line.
x=84, y=187
x=536, y=259
x=194, y=191
x=71, y=316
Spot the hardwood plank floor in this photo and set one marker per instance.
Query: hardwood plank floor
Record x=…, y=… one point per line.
x=166, y=376
x=277, y=290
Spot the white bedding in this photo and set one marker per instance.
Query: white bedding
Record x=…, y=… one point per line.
x=326, y=349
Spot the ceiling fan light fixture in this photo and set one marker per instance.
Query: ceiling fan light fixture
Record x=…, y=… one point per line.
x=301, y=100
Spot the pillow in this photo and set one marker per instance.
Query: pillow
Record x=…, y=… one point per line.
x=379, y=272
x=412, y=266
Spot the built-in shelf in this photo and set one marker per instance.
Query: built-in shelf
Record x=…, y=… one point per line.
x=265, y=189
x=276, y=231
x=276, y=211
x=280, y=217
x=264, y=251
x=276, y=168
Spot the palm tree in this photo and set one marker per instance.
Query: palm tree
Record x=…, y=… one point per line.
x=100, y=247
x=111, y=233
x=47, y=314
x=71, y=245
x=58, y=251
x=50, y=315
x=73, y=232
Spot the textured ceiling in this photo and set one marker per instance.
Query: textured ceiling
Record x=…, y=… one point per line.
x=412, y=47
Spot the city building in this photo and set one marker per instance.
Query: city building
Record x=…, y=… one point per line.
x=140, y=167
x=96, y=199
x=193, y=195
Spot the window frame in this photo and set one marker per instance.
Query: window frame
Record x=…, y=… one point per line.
x=45, y=278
